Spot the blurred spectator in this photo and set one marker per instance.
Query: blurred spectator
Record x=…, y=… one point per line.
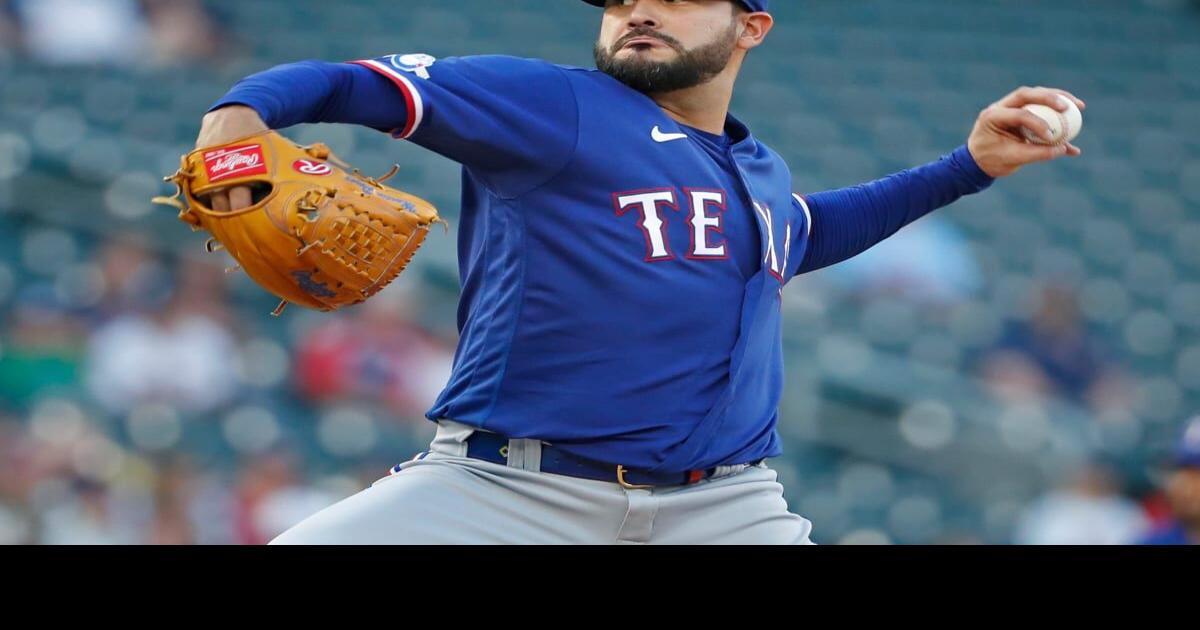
x=1088, y=510
x=49, y=495
x=173, y=491
x=132, y=277
x=116, y=32
x=9, y=34
x=1182, y=489
x=86, y=515
x=83, y=32
x=181, y=30
x=377, y=352
x=43, y=347
x=272, y=498
x=183, y=354
x=15, y=524
x=1053, y=354
x=928, y=262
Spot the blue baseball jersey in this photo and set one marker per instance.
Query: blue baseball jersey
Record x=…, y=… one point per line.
x=621, y=273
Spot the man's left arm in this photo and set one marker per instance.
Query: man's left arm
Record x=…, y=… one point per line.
x=846, y=222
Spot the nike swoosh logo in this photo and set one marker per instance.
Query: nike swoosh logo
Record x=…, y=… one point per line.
x=659, y=136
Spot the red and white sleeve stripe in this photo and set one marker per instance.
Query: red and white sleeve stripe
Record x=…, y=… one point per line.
x=412, y=98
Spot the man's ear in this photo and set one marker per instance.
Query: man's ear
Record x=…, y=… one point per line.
x=755, y=27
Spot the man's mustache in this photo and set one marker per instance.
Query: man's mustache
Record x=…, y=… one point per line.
x=666, y=39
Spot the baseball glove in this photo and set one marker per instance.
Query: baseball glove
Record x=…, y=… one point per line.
x=317, y=235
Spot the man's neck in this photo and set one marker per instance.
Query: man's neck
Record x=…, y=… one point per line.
x=704, y=107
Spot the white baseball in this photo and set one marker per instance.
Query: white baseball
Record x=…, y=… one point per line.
x=1065, y=126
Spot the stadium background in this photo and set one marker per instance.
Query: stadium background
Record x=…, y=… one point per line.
x=1013, y=368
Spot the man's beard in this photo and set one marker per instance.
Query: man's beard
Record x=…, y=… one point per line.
x=689, y=69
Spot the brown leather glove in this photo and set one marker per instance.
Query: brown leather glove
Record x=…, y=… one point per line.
x=317, y=235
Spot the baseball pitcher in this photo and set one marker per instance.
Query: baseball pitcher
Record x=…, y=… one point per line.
x=624, y=245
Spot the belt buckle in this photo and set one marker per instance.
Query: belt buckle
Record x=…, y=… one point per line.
x=625, y=484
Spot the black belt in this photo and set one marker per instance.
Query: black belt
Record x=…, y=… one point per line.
x=493, y=447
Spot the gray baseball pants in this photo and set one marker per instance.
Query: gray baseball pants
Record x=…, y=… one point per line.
x=448, y=498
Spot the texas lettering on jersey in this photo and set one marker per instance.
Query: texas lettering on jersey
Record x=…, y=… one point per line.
x=706, y=209
x=654, y=225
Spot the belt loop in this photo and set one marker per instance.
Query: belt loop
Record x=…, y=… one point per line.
x=525, y=454
x=451, y=437
x=727, y=470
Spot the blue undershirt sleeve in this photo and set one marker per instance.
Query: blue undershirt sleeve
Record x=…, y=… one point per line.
x=848, y=221
x=320, y=92
x=512, y=121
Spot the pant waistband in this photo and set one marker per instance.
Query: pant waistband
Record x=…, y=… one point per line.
x=460, y=440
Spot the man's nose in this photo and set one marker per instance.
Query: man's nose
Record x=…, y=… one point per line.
x=645, y=13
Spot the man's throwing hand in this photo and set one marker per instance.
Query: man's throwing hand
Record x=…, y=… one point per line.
x=997, y=144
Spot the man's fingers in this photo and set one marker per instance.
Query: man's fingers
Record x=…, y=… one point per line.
x=231, y=199
x=1078, y=101
x=1063, y=93
x=240, y=197
x=219, y=201
x=1040, y=95
x=1012, y=119
x=1030, y=153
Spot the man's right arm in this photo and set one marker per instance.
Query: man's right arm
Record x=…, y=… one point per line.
x=513, y=122
x=317, y=91
x=303, y=92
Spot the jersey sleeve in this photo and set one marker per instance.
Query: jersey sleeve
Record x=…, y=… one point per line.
x=513, y=121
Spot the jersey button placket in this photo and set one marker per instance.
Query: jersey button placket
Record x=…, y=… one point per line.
x=763, y=237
